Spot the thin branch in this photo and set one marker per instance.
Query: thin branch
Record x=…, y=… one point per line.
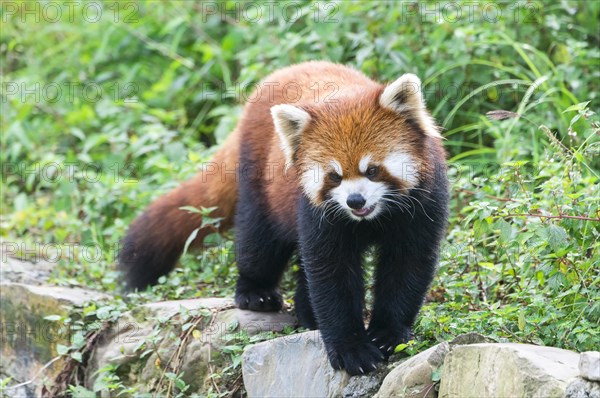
x=486, y=195
x=160, y=47
x=46, y=366
x=561, y=216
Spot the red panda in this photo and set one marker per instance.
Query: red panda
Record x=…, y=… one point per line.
x=326, y=162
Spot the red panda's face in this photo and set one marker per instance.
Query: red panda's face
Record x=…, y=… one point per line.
x=361, y=187
x=360, y=162
x=359, y=156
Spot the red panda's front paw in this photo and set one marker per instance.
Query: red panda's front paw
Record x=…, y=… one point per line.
x=357, y=359
x=386, y=339
x=263, y=300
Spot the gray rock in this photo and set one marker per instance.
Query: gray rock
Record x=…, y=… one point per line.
x=253, y=322
x=589, y=365
x=366, y=385
x=581, y=388
x=507, y=370
x=122, y=344
x=18, y=271
x=167, y=309
x=471, y=338
x=413, y=377
x=28, y=340
x=291, y=366
x=58, y=296
x=297, y=366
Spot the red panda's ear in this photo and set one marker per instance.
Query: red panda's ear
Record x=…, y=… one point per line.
x=404, y=96
x=289, y=122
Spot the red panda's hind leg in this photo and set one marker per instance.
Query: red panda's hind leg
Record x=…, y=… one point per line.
x=262, y=253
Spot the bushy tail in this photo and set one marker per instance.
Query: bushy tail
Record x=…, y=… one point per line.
x=155, y=240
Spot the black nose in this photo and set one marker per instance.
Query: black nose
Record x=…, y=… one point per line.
x=356, y=201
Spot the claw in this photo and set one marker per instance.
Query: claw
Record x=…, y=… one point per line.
x=361, y=369
x=390, y=349
x=373, y=366
x=247, y=301
x=373, y=340
x=262, y=300
x=269, y=298
x=381, y=347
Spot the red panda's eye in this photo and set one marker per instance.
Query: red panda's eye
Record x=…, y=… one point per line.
x=372, y=171
x=335, y=177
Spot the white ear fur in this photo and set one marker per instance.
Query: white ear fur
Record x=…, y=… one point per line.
x=404, y=96
x=289, y=122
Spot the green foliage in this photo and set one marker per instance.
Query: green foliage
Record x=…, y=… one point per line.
x=527, y=268
x=155, y=85
x=3, y=383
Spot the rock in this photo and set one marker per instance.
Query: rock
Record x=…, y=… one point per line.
x=17, y=271
x=364, y=386
x=291, y=366
x=581, y=388
x=28, y=339
x=589, y=365
x=123, y=344
x=297, y=366
x=167, y=309
x=471, y=338
x=507, y=370
x=413, y=377
x=62, y=298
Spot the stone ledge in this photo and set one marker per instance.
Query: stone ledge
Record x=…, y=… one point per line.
x=120, y=344
x=291, y=366
x=28, y=340
x=507, y=370
x=471, y=367
x=589, y=365
x=18, y=271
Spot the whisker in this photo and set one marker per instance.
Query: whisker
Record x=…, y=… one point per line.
x=422, y=207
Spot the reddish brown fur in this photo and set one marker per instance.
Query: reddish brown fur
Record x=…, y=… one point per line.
x=168, y=227
x=351, y=129
x=342, y=128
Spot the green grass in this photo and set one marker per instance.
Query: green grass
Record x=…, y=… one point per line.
x=167, y=75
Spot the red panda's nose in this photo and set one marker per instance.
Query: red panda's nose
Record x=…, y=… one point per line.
x=356, y=201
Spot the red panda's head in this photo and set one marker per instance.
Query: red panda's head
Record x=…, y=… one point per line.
x=362, y=152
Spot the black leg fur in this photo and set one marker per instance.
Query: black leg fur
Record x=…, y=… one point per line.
x=262, y=252
x=261, y=258
x=304, y=311
x=332, y=257
x=408, y=257
x=402, y=280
